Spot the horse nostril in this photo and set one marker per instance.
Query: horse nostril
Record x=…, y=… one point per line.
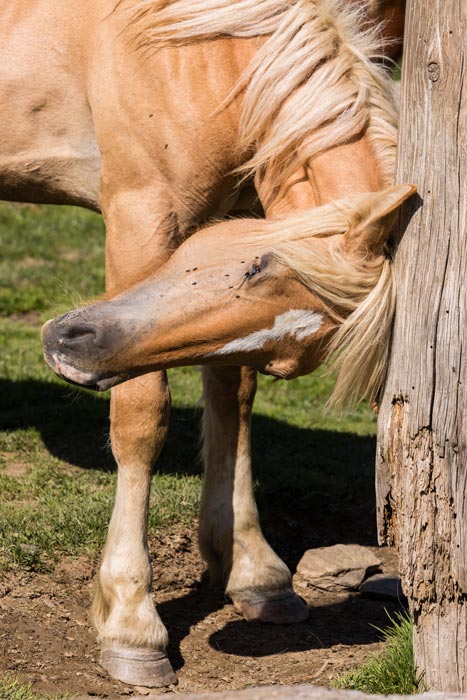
x=79, y=333
x=78, y=330
x=72, y=341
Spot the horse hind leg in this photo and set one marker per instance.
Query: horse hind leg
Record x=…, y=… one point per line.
x=231, y=541
x=131, y=634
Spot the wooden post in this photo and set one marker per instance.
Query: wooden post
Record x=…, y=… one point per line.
x=422, y=433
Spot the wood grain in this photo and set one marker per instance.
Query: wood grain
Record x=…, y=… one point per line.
x=422, y=450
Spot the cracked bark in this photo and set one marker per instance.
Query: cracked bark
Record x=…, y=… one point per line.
x=422, y=451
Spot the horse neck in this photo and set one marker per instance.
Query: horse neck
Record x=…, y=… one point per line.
x=339, y=172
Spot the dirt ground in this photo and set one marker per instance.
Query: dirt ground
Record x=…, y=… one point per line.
x=46, y=637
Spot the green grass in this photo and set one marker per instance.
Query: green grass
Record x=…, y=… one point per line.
x=48, y=256
x=391, y=671
x=12, y=689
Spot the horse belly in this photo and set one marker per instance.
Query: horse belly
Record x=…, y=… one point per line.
x=54, y=176
x=48, y=149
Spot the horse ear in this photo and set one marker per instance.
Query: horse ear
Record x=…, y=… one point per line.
x=374, y=215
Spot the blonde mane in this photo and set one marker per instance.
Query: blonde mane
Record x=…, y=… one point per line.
x=311, y=86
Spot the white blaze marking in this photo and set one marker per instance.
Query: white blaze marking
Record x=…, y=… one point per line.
x=299, y=323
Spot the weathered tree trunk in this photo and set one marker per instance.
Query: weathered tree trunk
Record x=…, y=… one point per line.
x=422, y=450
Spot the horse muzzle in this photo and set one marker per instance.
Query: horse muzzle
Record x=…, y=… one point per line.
x=71, y=347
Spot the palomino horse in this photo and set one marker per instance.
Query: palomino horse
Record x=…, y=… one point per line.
x=155, y=112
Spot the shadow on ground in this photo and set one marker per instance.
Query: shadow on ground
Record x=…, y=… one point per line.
x=345, y=620
x=314, y=488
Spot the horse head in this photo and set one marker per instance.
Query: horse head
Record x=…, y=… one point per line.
x=278, y=295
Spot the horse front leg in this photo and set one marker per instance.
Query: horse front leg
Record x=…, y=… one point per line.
x=231, y=541
x=131, y=634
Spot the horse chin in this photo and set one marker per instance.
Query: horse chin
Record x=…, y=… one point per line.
x=80, y=377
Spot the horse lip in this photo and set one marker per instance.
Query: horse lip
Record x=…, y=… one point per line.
x=108, y=383
x=79, y=377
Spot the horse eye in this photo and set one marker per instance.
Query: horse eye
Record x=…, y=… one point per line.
x=252, y=270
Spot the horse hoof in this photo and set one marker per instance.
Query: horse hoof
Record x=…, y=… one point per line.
x=280, y=608
x=145, y=667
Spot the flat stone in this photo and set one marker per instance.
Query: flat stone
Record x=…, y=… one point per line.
x=297, y=692
x=383, y=586
x=342, y=567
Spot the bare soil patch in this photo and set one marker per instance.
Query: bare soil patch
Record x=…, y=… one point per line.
x=47, y=639
x=14, y=464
